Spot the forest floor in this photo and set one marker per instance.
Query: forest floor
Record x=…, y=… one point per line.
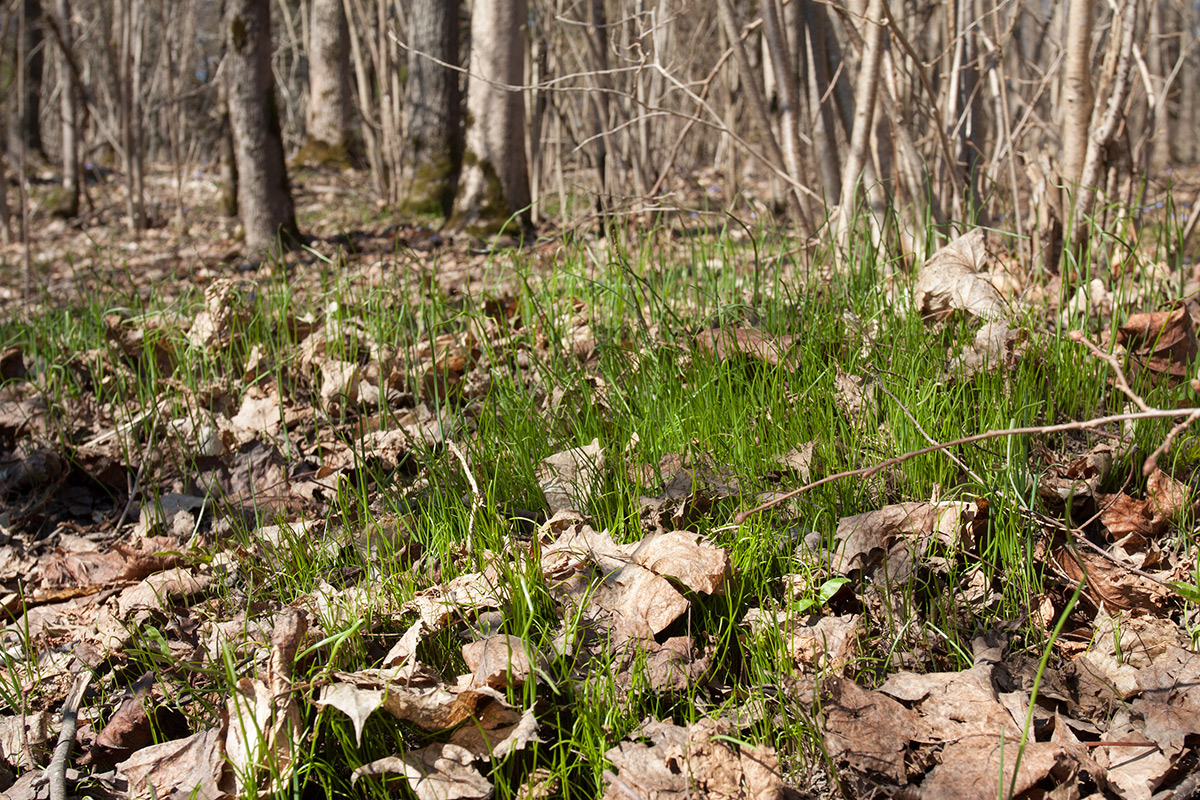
x=658, y=514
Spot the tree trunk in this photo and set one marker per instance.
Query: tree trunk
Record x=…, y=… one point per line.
x=864, y=112
x=30, y=125
x=1077, y=95
x=69, y=203
x=327, y=141
x=495, y=180
x=431, y=155
x=264, y=194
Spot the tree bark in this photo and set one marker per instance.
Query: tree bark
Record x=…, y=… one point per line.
x=1077, y=94
x=431, y=154
x=29, y=126
x=494, y=187
x=264, y=194
x=864, y=112
x=69, y=204
x=327, y=139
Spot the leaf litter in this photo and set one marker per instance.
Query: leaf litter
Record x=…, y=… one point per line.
x=1113, y=714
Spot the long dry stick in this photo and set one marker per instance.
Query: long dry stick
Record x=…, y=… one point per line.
x=56, y=771
x=1031, y=430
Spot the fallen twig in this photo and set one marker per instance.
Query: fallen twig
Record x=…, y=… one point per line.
x=56, y=771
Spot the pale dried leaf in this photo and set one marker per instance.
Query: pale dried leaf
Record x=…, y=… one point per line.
x=436, y=772
x=569, y=478
x=355, y=702
x=178, y=770
x=953, y=279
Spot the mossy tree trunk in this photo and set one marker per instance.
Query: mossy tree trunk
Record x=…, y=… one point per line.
x=264, y=194
x=493, y=191
x=328, y=138
x=432, y=153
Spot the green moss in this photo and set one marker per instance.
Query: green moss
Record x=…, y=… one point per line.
x=430, y=189
x=319, y=153
x=237, y=32
x=492, y=214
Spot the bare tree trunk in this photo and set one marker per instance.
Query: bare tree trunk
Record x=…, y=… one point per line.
x=32, y=52
x=228, y=202
x=864, y=111
x=327, y=141
x=785, y=80
x=816, y=67
x=431, y=155
x=494, y=187
x=68, y=205
x=601, y=107
x=1077, y=95
x=264, y=194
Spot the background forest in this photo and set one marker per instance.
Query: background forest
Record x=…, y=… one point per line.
x=923, y=114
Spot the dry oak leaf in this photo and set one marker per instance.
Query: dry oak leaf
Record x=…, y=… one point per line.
x=436, y=772
x=183, y=769
x=409, y=694
x=1123, y=516
x=1113, y=585
x=693, y=762
x=1168, y=496
x=953, y=279
x=686, y=557
x=498, y=661
x=157, y=591
x=1161, y=341
x=868, y=732
x=865, y=538
x=497, y=731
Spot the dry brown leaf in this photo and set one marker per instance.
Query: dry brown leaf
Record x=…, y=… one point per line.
x=1123, y=516
x=1114, y=585
x=865, y=538
x=355, y=702
x=264, y=716
x=498, y=661
x=954, y=279
x=157, y=591
x=697, y=761
x=1168, y=497
x=1163, y=342
x=497, y=732
x=568, y=478
x=26, y=741
x=724, y=343
x=868, y=732
x=697, y=564
x=436, y=772
x=976, y=768
x=182, y=769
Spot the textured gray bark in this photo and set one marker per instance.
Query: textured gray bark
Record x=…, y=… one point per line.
x=432, y=152
x=264, y=194
x=495, y=178
x=329, y=99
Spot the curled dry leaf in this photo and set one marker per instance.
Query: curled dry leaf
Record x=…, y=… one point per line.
x=436, y=772
x=1163, y=342
x=183, y=769
x=1167, y=496
x=911, y=527
x=264, y=716
x=953, y=280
